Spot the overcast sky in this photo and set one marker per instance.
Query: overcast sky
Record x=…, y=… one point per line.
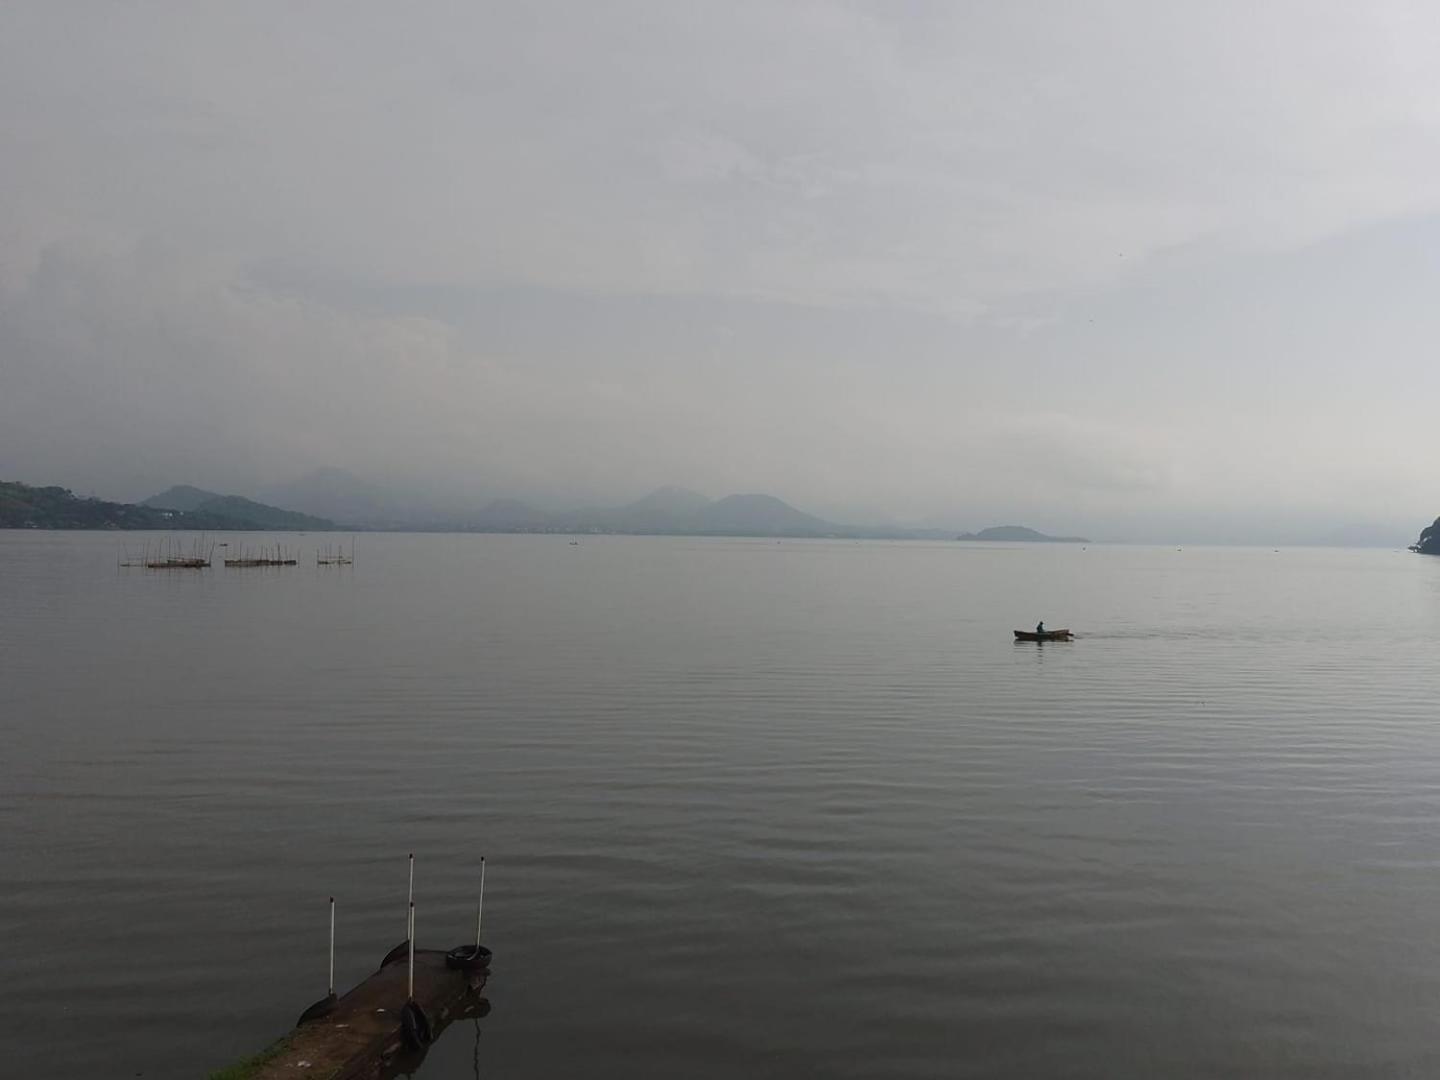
x=1131, y=268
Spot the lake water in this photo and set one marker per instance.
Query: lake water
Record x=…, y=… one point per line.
x=750, y=809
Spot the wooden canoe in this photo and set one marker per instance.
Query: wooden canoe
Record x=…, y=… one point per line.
x=1048, y=635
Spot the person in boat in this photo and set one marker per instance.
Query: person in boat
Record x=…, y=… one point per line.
x=1040, y=627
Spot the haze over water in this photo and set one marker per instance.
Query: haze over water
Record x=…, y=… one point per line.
x=750, y=808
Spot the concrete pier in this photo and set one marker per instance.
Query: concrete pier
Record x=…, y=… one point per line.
x=361, y=1038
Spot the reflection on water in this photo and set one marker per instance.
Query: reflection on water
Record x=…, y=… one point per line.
x=407, y=1062
x=759, y=809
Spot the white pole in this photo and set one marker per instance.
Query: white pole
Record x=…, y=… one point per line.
x=480, y=907
x=332, y=946
x=412, y=951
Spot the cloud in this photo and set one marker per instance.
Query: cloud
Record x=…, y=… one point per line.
x=942, y=158
x=885, y=257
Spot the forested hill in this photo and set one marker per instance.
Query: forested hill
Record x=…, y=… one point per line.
x=26, y=507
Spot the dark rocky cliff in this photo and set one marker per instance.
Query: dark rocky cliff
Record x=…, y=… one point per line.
x=1429, y=543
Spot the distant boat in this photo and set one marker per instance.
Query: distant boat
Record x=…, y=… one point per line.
x=1048, y=635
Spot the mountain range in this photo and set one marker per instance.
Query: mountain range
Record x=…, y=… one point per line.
x=358, y=504
x=26, y=507
x=334, y=498
x=673, y=510
x=337, y=495
x=340, y=495
x=668, y=511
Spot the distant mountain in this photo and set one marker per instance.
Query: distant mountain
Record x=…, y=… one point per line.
x=181, y=497
x=248, y=514
x=25, y=507
x=666, y=506
x=344, y=497
x=1021, y=534
x=677, y=511
x=510, y=515
x=340, y=496
x=758, y=515
x=664, y=510
x=234, y=511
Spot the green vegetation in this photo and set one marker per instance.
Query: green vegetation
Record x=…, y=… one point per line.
x=257, y=515
x=26, y=507
x=251, y=1066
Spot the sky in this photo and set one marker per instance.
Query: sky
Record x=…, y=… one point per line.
x=1143, y=271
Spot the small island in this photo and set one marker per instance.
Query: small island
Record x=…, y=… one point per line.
x=1021, y=534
